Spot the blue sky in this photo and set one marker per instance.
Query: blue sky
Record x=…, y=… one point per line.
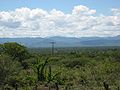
x=102, y=6
x=70, y=18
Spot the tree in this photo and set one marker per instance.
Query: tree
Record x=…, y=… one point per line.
x=15, y=50
x=8, y=69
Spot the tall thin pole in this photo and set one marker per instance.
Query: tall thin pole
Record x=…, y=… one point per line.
x=52, y=52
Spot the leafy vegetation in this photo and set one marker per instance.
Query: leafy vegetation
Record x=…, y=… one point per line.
x=70, y=68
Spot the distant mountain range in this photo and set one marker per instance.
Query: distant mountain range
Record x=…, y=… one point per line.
x=65, y=41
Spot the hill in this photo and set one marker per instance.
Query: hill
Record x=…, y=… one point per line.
x=65, y=41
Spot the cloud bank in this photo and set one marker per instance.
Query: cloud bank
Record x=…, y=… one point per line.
x=81, y=22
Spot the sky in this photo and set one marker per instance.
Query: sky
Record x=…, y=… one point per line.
x=69, y=18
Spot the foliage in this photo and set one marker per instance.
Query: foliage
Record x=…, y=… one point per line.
x=15, y=50
x=8, y=69
x=75, y=68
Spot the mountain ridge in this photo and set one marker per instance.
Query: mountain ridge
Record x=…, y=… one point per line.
x=65, y=41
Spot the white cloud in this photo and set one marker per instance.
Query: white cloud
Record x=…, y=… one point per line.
x=81, y=22
x=116, y=11
x=82, y=10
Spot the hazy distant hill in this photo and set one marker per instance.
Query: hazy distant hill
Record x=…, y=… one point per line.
x=65, y=41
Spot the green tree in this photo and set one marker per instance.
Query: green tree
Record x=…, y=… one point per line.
x=8, y=69
x=15, y=50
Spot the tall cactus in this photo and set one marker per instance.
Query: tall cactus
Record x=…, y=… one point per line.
x=42, y=76
x=40, y=67
x=51, y=76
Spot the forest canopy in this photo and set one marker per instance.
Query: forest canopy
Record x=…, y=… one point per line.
x=80, y=68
